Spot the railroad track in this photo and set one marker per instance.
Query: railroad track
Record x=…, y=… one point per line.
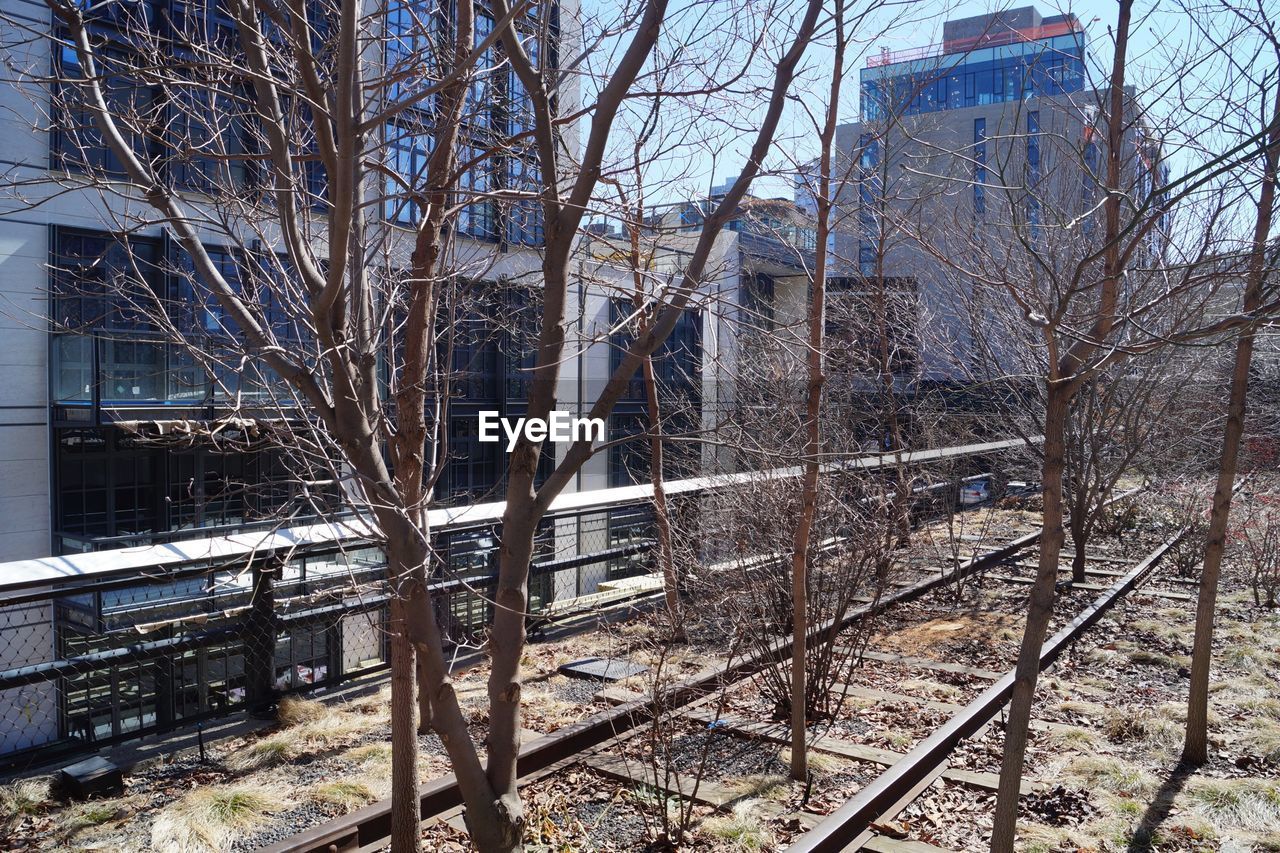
x=850, y=828
x=368, y=828
x=593, y=743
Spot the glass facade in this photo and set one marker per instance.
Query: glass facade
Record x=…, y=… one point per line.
x=989, y=75
x=497, y=109
x=111, y=485
x=677, y=368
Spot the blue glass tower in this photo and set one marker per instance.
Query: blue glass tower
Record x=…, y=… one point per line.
x=988, y=59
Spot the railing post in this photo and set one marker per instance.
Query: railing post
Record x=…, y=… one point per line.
x=260, y=641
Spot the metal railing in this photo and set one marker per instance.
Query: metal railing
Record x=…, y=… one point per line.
x=102, y=647
x=995, y=38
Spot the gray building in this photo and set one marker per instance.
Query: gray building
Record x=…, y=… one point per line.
x=970, y=156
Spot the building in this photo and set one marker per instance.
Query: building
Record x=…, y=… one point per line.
x=972, y=155
x=107, y=438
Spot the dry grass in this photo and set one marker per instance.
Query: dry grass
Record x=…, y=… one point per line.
x=347, y=794
x=1167, y=630
x=767, y=785
x=294, y=711
x=1265, y=706
x=1246, y=657
x=1177, y=712
x=207, y=819
x=1264, y=739
x=371, y=753
x=96, y=813
x=541, y=702
x=741, y=830
x=1075, y=738
x=1080, y=708
x=315, y=726
x=820, y=763
x=23, y=798
x=1146, y=657
x=932, y=689
x=1248, y=804
x=1111, y=774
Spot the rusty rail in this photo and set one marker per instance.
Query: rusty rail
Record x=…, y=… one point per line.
x=371, y=826
x=844, y=826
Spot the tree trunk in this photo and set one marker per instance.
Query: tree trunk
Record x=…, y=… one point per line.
x=1039, y=611
x=405, y=815
x=813, y=433
x=1079, y=539
x=1195, y=748
x=506, y=641
x=661, y=512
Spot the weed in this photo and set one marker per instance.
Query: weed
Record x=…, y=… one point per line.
x=1265, y=707
x=899, y=740
x=932, y=689
x=206, y=819
x=372, y=753
x=1082, y=709
x=27, y=797
x=764, y=785
x=1251, y=804
x=743, y=829
x=1145, y=657
x=1265, y=739
x=1112, y=774
x=294, y=711
x=347, y=795
x=1075, y=738
x=1250, y=658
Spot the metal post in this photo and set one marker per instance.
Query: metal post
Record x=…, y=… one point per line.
x=260, y=643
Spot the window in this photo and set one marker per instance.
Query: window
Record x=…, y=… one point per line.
x=483, y=92
x=629, y=455
x=104, y=282
x=520, y=106
x=77, y=143
x=758, y=300
x=476, y=218
x=413, y=31
x=524, y=219
x=205, y=140
x=1033, y=171
x=472, y=470
x=409, y=154
x=474, y=374
x=866, y=258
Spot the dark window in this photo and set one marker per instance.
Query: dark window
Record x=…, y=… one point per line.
x=472, y=470
x=77, y=143
x=757, y=300
x=524, y=219
x=475, y=186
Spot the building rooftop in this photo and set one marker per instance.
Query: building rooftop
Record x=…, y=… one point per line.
x=963, y=35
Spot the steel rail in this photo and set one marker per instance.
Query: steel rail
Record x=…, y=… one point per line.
x=842, y=827
x=371, y=825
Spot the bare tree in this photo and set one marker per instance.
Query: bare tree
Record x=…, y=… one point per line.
x=1195, y=749
x=316, y=102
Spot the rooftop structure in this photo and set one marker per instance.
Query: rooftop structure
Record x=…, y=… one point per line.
x=981, y=60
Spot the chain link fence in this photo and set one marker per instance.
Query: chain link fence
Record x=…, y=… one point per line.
x=100, y=648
